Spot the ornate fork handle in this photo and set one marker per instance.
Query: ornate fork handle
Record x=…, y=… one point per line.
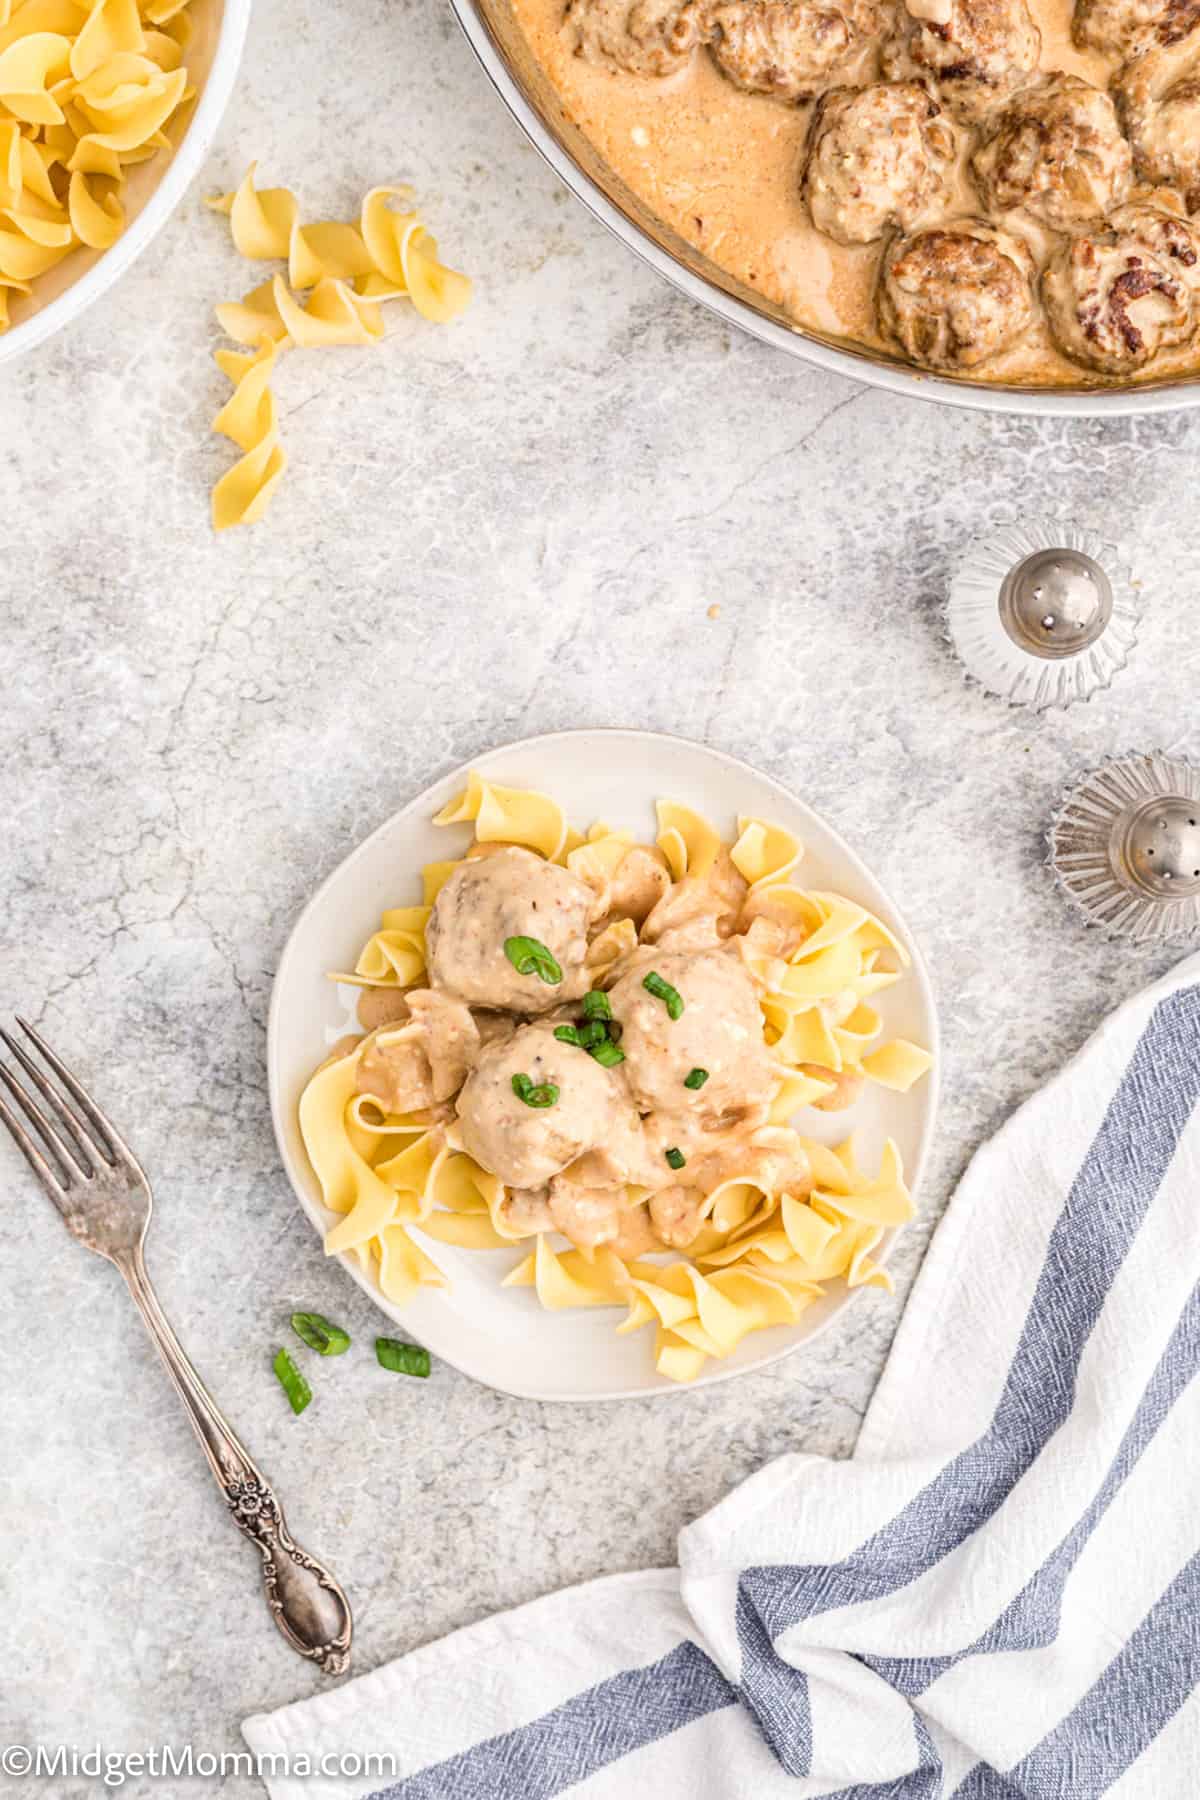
x=306, y=1602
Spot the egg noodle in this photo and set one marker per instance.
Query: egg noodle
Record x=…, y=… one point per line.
x=86, y=91
x=762, y=1254
x=345, y=271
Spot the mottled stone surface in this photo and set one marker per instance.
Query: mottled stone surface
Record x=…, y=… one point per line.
x=509, y=526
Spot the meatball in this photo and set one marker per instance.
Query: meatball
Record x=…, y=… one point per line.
x=719, y=1031
x=1112, y=25
x=647, y=37
x=487, y=902
x=528, y=1144
x=1158, y=93
x=954, y=297
x=877, y=157
x=974, y=53
x=1057, y=151
x=1115, y=298
x=789, y=48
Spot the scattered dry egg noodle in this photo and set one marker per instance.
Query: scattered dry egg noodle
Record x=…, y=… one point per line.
x=344, y=272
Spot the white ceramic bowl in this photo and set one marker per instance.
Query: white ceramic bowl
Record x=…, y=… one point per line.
x=501, y=1336
x=153, y=191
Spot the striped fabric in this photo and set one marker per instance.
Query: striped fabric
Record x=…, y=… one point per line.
x=996, y=1598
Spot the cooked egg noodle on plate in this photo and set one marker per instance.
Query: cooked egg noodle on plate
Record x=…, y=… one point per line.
x=784, y=1214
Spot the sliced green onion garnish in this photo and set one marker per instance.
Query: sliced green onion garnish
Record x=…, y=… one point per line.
x=567, y=1034
x=317, y=1332
x=596, y=1005
x=523, y=1088
x=291, y=1381
x=607, y=1054
x=401, y=1359
x=595, y=1031
x=676, y=1158
x=696, y=1079
x=662, y=990
x=528, y=957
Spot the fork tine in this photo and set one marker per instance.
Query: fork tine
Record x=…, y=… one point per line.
x=110, y=1137
x=68, y=1159
x=86, y=1146
x=33, y=1155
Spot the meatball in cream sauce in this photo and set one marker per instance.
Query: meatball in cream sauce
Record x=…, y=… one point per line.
x=877, y=157
x=904, y=173
x=719, y=1032
x=1114, y=298
x=954, y=297
x=610, y=1100
x=973, y=53
x=528, y=1144
x=488, y=902
x=1058, y=152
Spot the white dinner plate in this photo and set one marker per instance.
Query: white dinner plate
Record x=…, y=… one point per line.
x=499, y=1335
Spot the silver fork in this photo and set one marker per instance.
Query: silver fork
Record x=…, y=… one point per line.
x=104, y=1197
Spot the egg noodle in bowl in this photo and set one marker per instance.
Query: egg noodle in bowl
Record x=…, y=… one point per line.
x=603, y=1051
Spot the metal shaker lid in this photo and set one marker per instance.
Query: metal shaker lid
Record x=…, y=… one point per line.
x=1043, y=613
x=1125, y=846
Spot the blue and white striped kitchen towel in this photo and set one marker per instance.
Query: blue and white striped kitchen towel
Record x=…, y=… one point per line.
x=996, y=1598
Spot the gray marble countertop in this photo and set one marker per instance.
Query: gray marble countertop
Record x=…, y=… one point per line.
x=513, y=525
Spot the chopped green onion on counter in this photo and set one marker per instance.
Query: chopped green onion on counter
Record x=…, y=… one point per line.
x=317, y=1332
x=401, y=1359
x=291, y=1381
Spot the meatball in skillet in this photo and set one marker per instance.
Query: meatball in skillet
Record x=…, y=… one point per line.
x=792, y=49
x=1158, y=93
x=973, y=53
x=1057, y=151
x=647, y=37
x=1112, y=25
x=877, y=157
x=955, y=296
x=1116, y=297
